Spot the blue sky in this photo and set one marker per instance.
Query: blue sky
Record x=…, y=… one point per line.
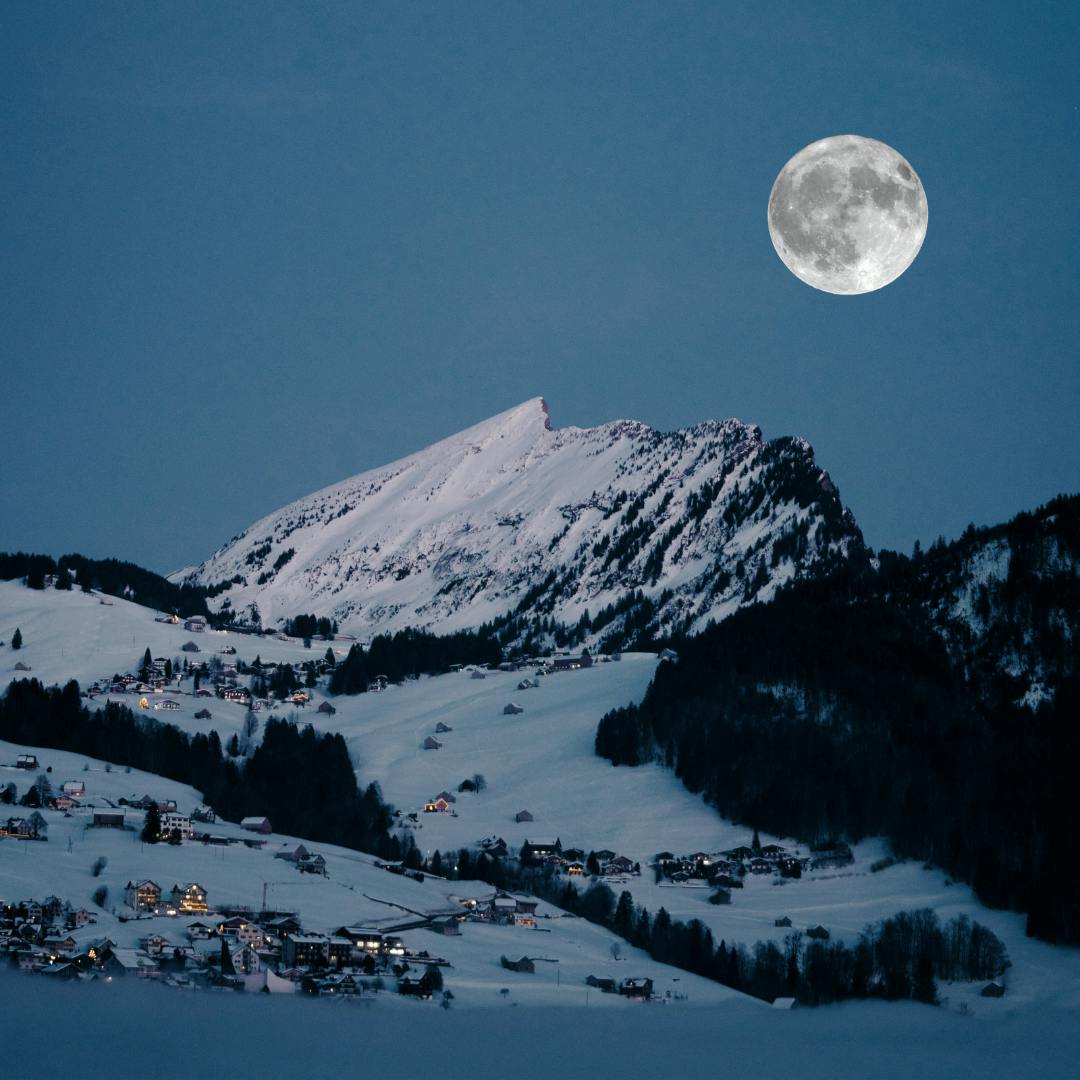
x=252, y=249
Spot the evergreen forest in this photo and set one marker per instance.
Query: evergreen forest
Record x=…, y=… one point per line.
x=896, y=700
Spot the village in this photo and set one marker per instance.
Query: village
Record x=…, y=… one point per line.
x=192, y=944
x=512, y=791
x=259, y=685
x=195, y=941
x=232, y=946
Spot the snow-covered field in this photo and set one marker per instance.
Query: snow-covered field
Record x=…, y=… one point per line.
x=540, y=760
x=120, y=1030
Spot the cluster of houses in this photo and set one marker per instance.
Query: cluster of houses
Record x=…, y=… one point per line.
x=175, y=827
x=574, y=861
x=543, y=665
x=501, y=909
x=146, y=897
x=727, y=868
x=37, y=934
x=227, y=950
x=34, y=827
x=220, y=679
x=223, y=679
x=72, y=799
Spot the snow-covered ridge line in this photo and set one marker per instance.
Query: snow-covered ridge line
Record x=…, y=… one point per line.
x=700, y=520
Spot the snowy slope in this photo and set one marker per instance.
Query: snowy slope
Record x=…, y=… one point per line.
x=540, y=760
x=355, y=892
x=72, y=635
x=457, y=534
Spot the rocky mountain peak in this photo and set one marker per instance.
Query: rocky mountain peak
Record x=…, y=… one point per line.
x=615, y=524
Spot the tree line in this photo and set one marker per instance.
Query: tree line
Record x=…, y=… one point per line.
x=309, y=626
x=411, y=652
x=303, y=780
x=900, y=957
x=110, y=576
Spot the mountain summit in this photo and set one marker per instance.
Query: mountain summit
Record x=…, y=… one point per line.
x=512, y=514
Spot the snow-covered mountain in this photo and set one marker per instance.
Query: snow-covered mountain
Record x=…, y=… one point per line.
x=516, y=514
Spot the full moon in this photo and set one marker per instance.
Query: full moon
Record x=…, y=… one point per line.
x=847, y=214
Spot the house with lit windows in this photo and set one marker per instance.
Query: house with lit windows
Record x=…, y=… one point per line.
x=190, y=899
x=143, y=895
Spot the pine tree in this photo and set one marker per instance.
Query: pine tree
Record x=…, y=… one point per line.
x=147, y=665
x=661, y=936
x=643, y=930
x=464, y=864
x=32, y=797
x=736, y=967
x=755, y=844
x=151, y=832
x=227, y=965
x=792, y=973
x=16, y=639
x=924, y=988
x=623, y=922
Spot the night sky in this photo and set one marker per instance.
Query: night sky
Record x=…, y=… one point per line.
x=252, y=249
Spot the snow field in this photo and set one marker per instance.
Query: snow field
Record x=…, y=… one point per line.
x=541, y=760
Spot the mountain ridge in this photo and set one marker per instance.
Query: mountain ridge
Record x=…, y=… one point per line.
x=698, y=521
